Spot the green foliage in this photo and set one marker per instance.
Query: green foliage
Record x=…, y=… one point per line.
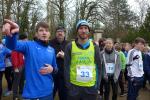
x=132, y=34
x=120, y=19
x=143, y=32
x=145, y=28
x=24, y=20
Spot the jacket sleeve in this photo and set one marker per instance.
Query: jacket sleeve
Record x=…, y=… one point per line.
x=117, y=69
x=13, y=44
x=98, y=66
x=14, y=57
x=54, y=64
x=103, y=70
x=67, y=62
x=123, y=61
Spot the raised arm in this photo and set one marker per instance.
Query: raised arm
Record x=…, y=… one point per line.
x=11, y=30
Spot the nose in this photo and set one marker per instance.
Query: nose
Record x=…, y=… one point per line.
x=84, y=30
x=44, y=32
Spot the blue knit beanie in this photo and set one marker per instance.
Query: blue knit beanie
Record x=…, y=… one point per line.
x=82, y=23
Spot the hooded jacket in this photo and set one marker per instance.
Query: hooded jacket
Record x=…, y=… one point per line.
x=111, y=56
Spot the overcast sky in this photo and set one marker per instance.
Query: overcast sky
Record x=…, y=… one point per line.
x=132, y=3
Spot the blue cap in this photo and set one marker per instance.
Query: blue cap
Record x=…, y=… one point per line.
x=82, y=23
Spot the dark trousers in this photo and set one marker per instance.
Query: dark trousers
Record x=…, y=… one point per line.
x=126, y=74
x=9, y=77
x=59, y=86
x=82, y=93
x=18, y=83
x=49, y=97
x=134, y=85
x=1, y=77
x=121, y=83
x=114, y=85
x=146, y=77
x=101, y=86
x=83, y=96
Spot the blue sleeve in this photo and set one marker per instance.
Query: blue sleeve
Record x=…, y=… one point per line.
x=7, y=51
x=148, y=62
x=13, y=43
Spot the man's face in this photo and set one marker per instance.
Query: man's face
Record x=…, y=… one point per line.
x=128, y=47
x=43, y=34
x=60, y=35
x=140, y=46
x=109, y=44
x=83, y=32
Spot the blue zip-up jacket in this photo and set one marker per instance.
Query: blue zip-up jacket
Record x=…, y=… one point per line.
x=3, y=52
x=36, y=55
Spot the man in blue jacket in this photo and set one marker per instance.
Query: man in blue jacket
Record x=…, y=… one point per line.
x=40, y=60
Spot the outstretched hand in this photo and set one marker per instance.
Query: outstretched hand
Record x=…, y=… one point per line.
x=10, y=27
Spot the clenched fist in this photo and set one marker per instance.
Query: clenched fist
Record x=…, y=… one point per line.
x=10, y=27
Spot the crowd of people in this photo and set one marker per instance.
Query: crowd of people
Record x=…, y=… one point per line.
x=77, y=70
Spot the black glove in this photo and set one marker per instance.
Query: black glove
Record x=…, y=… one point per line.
x=136, y=57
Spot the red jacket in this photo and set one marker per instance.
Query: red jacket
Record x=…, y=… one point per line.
x=17, y=59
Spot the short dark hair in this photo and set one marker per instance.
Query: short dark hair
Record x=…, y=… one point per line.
x=118, y=46
x=60, y=28
x=139, y=40
x=110, y=40
x=41, y=24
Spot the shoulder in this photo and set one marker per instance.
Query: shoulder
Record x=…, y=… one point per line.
x=116, y=52
x=66, y=41
x=132, y=50
x=51, y=42
x=50, y=48
x=121, y=53
x=26, y=42
x=102, y=52
x=69, y=45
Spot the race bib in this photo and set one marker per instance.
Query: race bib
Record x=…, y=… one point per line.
x=110, y=68
x=84, y=73
x=140, y=66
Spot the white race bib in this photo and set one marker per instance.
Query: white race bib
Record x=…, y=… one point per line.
x=84, y=73
x=110, y=68
x=140, y=66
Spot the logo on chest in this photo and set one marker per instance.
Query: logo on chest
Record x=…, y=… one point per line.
x=49, y=49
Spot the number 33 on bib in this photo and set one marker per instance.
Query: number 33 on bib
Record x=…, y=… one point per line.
x=84, y=73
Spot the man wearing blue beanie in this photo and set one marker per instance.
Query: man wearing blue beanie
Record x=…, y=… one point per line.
x=82, y=65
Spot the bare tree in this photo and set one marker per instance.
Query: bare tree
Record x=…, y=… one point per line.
x=143, y=6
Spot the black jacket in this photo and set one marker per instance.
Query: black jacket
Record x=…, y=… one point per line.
x=58, y=47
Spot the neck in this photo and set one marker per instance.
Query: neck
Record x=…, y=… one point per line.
x=109, y=51
x=80, y=41
x=44, y=43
